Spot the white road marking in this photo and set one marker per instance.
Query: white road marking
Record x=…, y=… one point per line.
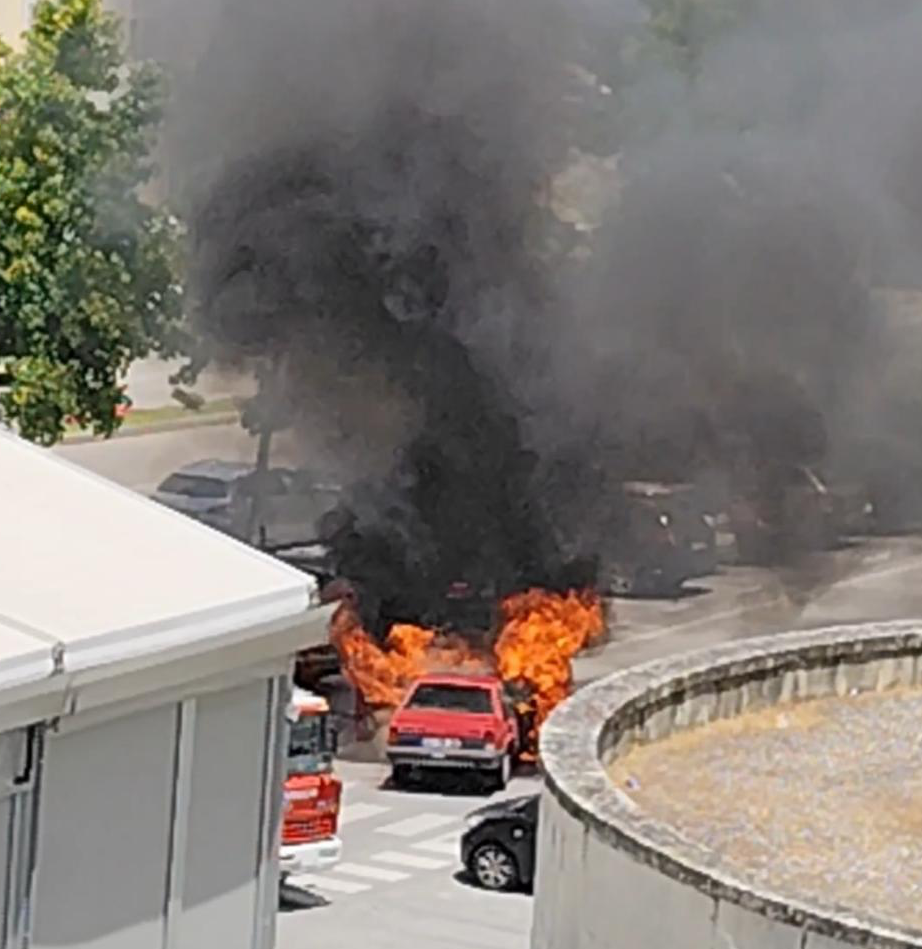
x=370, y=873
x=412, y=826
x=910, y=563
x=411, y=860
x=447, y=844
x=320, y=882
x=660, y=631
x=361, y=811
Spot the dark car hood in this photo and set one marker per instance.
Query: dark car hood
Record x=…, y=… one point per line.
x=506, y=808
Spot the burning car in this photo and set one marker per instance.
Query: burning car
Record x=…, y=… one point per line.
x=454, y=721
x=662, y=539
x=519, y=673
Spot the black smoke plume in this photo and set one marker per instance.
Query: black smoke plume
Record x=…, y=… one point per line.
x=364, y=183
x=375, y=256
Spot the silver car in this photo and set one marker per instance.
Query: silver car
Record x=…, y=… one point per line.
x=213, y=492
x=221, y=494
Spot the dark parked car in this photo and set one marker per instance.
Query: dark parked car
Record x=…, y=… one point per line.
x=663, y=537
x=498, y=844
x=798, y=511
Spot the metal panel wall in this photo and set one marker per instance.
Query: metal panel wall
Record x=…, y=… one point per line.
x=220, y=890
x=18, y=775
x=103, y=834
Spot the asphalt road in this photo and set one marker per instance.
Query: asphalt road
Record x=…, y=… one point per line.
x=876, y=579
x=149, y=386
x=399, y=884
x=142, y=462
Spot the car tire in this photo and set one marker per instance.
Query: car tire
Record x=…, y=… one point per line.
x=400, y=775
x=494, y=868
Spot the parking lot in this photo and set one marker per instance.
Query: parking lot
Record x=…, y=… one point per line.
x=400, y=882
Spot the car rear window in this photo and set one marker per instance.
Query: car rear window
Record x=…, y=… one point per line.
x=194, y=487
x=456, y=698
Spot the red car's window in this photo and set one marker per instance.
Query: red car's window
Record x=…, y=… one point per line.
x=455, y=698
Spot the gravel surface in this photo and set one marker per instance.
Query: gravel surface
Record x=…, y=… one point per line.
x=822, y=799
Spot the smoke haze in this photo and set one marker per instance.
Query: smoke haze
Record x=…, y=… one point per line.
x=364, y=183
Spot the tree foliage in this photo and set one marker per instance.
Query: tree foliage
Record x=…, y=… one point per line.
x=88, y=269
x=681, y=29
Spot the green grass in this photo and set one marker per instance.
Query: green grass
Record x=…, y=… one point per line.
x=138, y=418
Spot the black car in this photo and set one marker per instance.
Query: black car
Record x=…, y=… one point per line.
x=498, y=844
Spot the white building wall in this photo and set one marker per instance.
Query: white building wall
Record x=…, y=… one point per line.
x=158, y=829
x=222, y=849
x=103, y=834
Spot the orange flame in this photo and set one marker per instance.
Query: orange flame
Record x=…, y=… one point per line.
x=383, y=674
x=541, y=633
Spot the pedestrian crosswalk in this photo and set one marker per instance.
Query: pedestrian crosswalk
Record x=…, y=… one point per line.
x=361, y=810
x=413, y=826
x=421, y=843
x=447, y=843
x=370, y=873
x=412, y=860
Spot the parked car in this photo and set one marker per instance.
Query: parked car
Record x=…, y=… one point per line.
x=498, y=843
x=802, y=512
x=454, y=721
x=892, y=471
x=211, y=491
x=221, y=494
x=662, y=538
x=896, y=500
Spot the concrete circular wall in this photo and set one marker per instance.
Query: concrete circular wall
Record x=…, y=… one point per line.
x=611, y=876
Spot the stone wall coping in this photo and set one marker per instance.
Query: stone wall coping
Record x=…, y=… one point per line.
x=580, y=730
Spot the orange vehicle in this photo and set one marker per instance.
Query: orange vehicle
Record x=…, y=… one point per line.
x=312, y=791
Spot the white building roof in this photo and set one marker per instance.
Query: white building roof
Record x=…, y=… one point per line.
x=93, y=574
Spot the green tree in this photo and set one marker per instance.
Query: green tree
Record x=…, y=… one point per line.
x=88, y=268
x=681, y=29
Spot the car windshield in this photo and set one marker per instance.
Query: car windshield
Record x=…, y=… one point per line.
x=193, y=486
x=306, y=737
x=457, y=698
x=309, y=745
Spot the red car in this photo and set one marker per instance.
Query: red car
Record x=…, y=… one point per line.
x=454, y=721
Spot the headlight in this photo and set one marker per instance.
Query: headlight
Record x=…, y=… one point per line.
x=664, y=520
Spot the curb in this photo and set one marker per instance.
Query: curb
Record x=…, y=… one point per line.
x=157, y=428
